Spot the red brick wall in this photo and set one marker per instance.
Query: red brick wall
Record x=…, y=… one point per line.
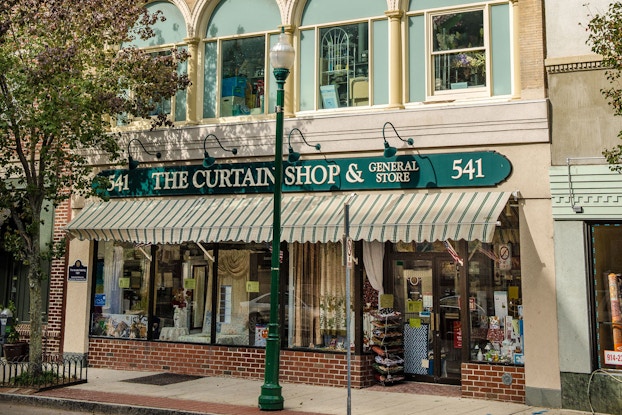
x=329, y=369
x=52, y=331
x=484, y=381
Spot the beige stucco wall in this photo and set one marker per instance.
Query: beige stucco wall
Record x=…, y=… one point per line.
x=539, y=295
x=582, y=123
x=78, y=301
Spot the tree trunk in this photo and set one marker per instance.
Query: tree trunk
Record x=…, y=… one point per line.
x=34, y=280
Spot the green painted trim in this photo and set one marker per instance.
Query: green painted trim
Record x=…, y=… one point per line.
x=501, y=49
x=328, y=11
x=416, y=59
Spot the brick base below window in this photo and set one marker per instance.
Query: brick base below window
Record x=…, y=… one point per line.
x=327, y=369
x=486, y=381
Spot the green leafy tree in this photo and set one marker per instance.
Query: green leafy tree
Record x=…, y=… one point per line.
x=605, y=39
x=63, y=78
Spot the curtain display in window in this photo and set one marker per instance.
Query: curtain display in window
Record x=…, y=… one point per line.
x=121, y=299
x=319, y=300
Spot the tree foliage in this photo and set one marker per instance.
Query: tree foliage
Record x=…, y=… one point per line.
x=63, y=77
x=605, y=39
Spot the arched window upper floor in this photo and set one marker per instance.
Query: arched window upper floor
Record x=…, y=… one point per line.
x=345, y=56
x=235, y=51
x=169, y=34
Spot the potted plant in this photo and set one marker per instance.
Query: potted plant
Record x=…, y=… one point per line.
x=14, y=349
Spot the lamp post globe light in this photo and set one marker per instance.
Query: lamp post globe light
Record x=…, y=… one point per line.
x=271, y=399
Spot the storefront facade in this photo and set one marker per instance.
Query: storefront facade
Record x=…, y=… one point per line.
x=587, y=216
x=452, y=233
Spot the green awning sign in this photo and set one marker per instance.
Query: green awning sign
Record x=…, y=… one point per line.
x=448, y=170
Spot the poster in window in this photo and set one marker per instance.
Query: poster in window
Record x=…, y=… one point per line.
x=330, y=99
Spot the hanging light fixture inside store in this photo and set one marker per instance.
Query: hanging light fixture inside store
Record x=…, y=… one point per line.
x=208, y=160
x=132, y=164
x=390, y=151
x=294, y=156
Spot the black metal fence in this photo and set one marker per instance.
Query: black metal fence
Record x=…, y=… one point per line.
x=56, y=371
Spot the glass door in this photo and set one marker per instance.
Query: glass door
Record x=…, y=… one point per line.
x=426, y=291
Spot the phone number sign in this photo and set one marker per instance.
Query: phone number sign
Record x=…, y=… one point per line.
x=613, y=358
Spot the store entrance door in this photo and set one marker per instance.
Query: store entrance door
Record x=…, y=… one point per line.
x=426, y=291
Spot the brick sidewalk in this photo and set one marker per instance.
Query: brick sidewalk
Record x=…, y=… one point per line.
x=170, y=404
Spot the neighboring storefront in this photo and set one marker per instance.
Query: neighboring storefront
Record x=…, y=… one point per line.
x=588, y=244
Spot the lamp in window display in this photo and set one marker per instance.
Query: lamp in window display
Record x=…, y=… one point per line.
x=271, y=399
x=208, y=160
x=294, y=156
x=390, y=151
x=131, y=162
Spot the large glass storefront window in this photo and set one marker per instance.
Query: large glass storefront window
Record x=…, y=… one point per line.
x=495, y=296
x=441, y=287
x=182, y=291
x=607, y=283
x=219, y=294
x=318, y=303
x=121, y=297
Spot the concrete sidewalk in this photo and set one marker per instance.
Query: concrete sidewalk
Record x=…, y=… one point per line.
x=109, y=392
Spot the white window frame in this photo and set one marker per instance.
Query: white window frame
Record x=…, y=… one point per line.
x=465, y=93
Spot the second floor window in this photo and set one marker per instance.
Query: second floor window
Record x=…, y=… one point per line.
x=458, y=51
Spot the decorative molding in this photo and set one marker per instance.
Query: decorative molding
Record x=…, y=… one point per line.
x=590, y=191
x=574, y=67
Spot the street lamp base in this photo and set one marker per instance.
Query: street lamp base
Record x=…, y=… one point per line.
x=271, y=398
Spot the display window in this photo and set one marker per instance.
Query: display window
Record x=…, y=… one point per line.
x=495, y=295
x=121, y=291
x=343, y=55
x=319, y=302
x=441, y=287
x=219, y=294
x=606, y=250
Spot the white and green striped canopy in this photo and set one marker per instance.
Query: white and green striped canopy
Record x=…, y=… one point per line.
x=416, y=216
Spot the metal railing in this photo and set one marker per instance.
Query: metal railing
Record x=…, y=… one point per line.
x=56, y=371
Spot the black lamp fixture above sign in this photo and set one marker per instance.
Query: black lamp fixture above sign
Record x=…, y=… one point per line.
x=133, y=164
x=390, y=151
x=294, y=156
x=208, y=160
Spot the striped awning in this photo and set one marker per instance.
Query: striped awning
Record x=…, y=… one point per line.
x=305, y=218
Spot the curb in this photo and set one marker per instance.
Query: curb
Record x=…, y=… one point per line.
x=88, y=406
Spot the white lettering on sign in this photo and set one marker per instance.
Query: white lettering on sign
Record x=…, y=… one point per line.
x=393, y=171
x=306, y=175
x=613, y=358
x=118, y=184
x=260, y=177
x=470, y=168
x=170, y=180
